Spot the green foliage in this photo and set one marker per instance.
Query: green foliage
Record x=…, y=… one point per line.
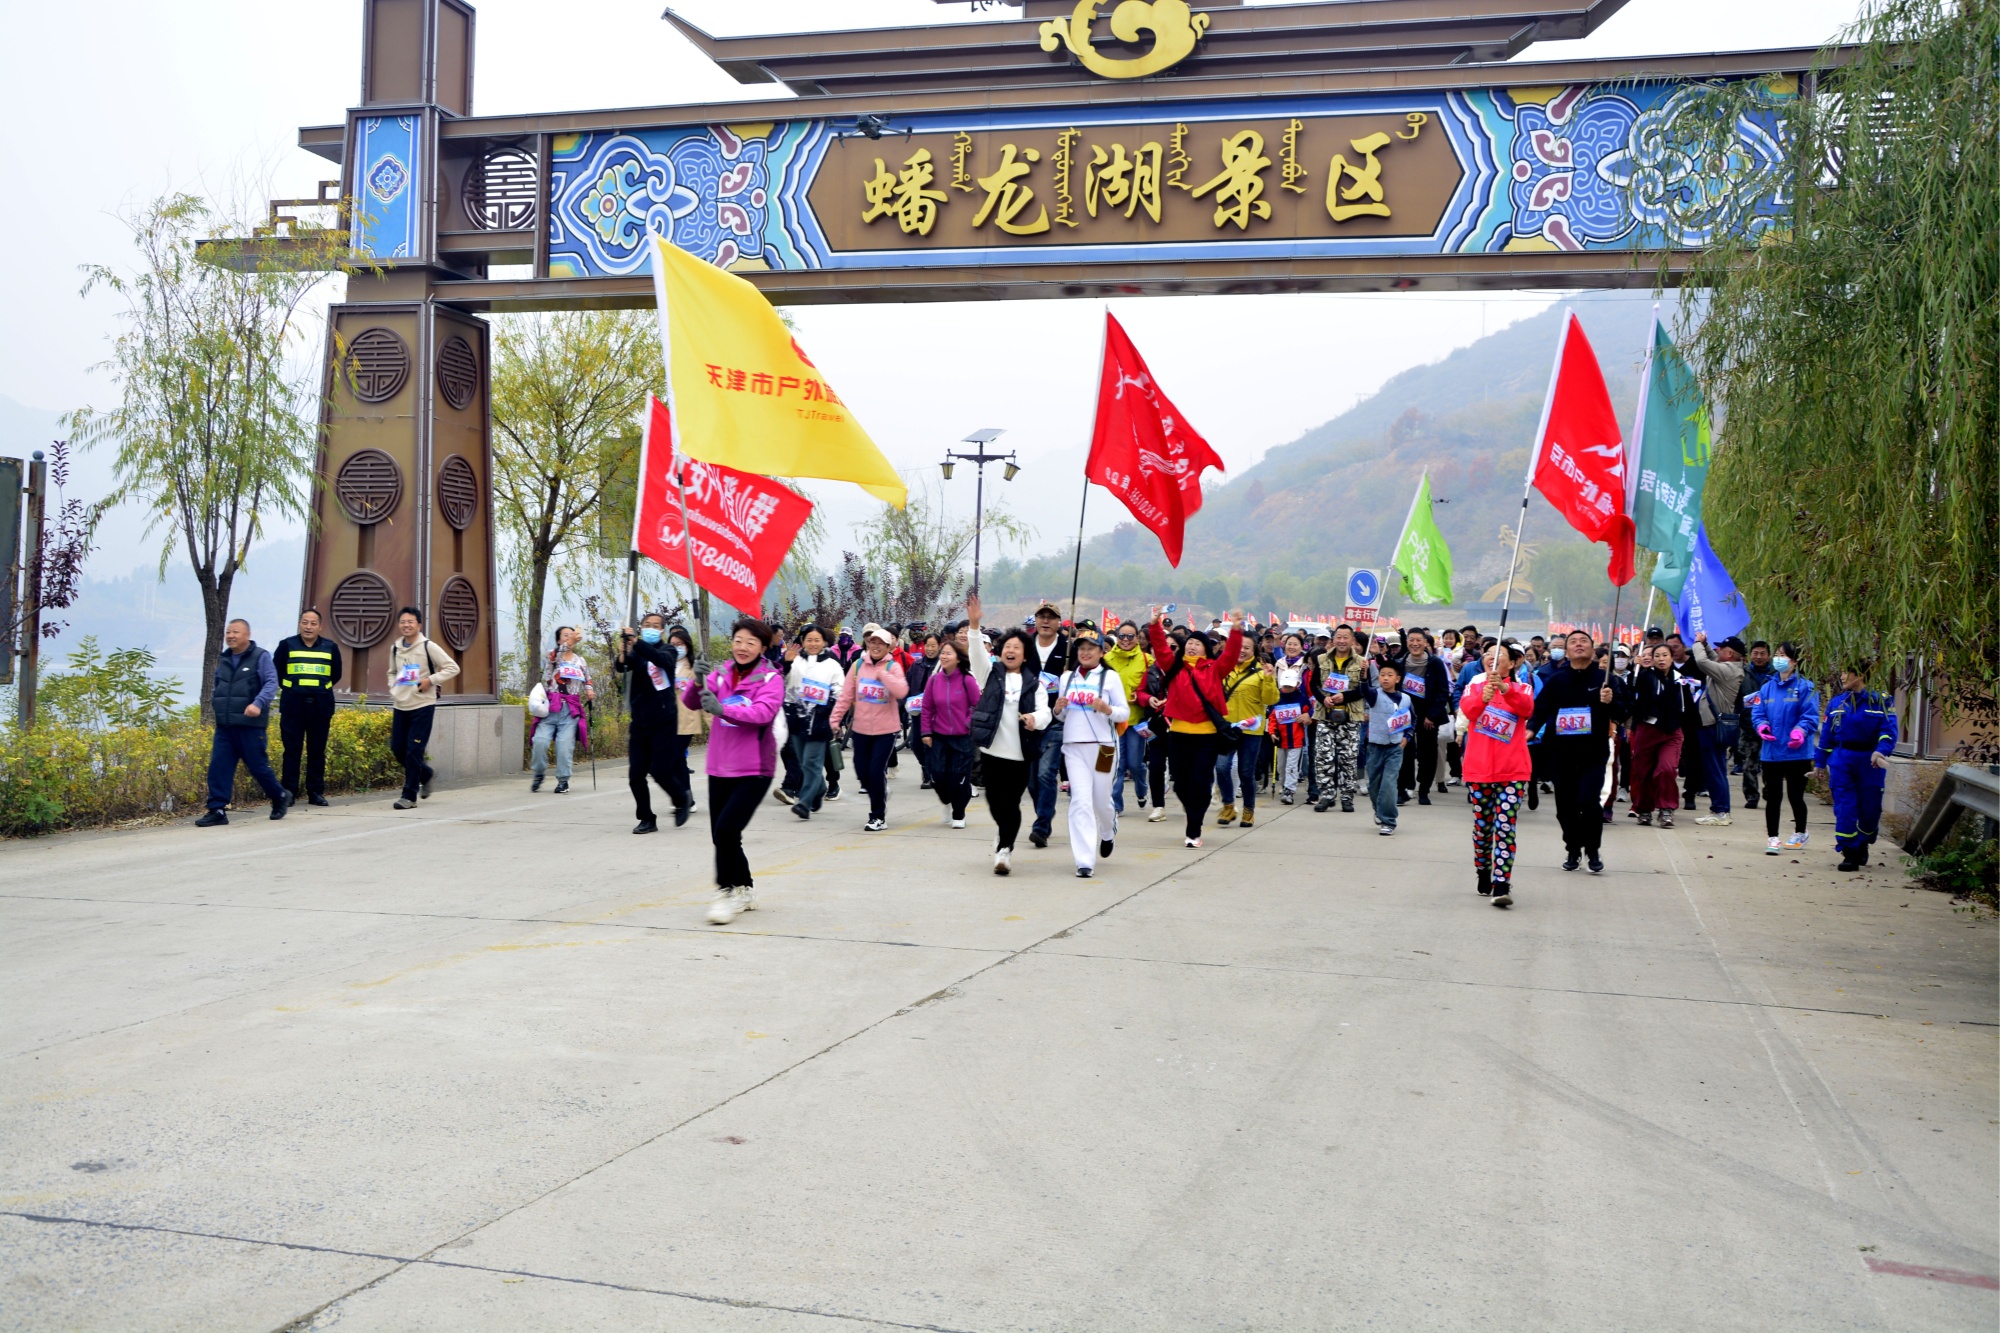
x=217, y=421
x=1854, y=354
x=98, y=692
x=1966, y=864
x=61, y=776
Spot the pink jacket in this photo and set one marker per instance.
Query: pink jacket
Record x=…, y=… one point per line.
x=881, y=718
x=739, y=742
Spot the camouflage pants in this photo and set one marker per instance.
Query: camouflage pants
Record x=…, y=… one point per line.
x=1337, y=758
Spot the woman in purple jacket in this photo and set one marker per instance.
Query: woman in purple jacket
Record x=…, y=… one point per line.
x=744, y=695
x=949, y=698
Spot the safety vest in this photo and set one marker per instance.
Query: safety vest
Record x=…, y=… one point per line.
x=308, y=669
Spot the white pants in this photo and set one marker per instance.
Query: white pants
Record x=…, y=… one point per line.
x=1290, y=761
x=1091, y=819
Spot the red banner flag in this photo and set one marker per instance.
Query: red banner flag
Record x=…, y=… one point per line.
x=1142, y=451
x=743, y=524
x=1579, y=460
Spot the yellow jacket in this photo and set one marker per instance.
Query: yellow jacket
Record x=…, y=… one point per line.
x=1251, y=692
x=1130, y=664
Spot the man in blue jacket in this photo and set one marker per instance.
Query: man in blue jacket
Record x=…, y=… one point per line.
x=245, y=683
x=1855, y=742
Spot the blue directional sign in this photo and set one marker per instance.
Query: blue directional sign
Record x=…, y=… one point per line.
x=1364, y=587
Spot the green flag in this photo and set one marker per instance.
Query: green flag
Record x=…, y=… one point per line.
x=1421, y=555
x=1671, y=456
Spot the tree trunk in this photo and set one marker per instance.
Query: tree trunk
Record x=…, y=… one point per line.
x=215, y=615
x=531, y=652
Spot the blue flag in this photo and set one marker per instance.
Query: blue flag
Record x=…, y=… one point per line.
x=1709, y=603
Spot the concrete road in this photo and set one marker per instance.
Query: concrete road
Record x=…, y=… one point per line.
x=482, y=1067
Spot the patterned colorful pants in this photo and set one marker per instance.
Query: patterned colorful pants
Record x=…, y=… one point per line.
x=1495, y=807
x=1337, y=759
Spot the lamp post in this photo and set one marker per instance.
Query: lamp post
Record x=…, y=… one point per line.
x=979, y=439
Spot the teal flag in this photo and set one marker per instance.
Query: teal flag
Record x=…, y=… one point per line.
x=1421, y=555
x=1671, y=457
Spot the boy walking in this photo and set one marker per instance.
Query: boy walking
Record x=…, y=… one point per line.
x=1389, y=721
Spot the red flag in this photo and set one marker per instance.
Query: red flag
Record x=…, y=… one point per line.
x=1579, y=461
x=743, y=523
x=1142, y=451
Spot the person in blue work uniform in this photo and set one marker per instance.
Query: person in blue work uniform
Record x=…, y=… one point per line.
x=1786, y=715
x=1855, y=743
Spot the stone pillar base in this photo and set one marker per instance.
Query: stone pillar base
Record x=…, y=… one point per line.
x=470, y=741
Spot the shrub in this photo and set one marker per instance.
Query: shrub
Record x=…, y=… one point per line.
x=1966, y=864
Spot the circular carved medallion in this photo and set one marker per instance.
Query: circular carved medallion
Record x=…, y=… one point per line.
x=458, y=492
x=361, y=609
x=457, y=372
x=458, y=612
x=369, y=485
x=378, y=364
x=500, y=191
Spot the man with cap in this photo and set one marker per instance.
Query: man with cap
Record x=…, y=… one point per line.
x=1048, y=655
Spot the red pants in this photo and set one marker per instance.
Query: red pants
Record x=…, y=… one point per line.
x=1656, y=762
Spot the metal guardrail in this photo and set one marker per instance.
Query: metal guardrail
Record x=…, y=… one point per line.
x=1962, y=787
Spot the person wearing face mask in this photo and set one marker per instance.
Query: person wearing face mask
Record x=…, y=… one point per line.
x=812, y=683
x=1660, y=706
x=872, y=693
x=655, y=747
x=567, y=681
x=1855, y=743
x=744, y=697
x=1786, y=717
x=1750, y=747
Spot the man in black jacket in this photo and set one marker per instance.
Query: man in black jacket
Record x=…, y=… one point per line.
x=308, y=668
x=656, y=747
x=245, y=683
x=1048, y=655
x=1578, y=705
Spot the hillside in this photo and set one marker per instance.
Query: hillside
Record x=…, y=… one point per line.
x=1283, y=534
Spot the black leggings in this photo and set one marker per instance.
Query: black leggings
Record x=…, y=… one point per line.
x=871, y=762
x=1191, y=754
x=1156, y=769
x=731, y=803
x=1787, y=776
x=1420, y=761
x=951, y=770
x=1006, y=782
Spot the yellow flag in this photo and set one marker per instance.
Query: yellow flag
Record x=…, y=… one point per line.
x=744, y=393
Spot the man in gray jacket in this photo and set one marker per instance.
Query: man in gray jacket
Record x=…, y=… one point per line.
x=1722, y=679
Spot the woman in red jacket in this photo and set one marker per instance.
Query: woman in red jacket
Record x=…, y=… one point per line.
x=1192, y=705
x=1497, y=767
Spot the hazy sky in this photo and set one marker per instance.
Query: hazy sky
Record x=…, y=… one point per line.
x=207, y=95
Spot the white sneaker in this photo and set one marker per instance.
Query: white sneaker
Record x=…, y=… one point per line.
x=1385, y=830
x=1773, y=847
x=1003, y=863
x=1719, y=821
x=746, y=900
x=1796, y=842
x=723, y=910
x=1159, y=815
x=958, y=823
x=1193, y=843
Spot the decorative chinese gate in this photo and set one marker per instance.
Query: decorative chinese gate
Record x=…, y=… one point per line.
x=1360, y=145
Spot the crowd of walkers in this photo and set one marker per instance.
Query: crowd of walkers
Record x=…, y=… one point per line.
x=1023, y=714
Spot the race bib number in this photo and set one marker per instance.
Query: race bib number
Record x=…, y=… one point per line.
x=1286, y=714
x=1082, y=694
x=407, y=674
x=736, y=701
x=1335, y=683
x=569, y=671
x=1414, y=686
x=1573, y=722
x=872, y=692
x=1497, y=723
x=1249, y=724
x=815, y=692
x=916, y=702
x=1399, y=721
x=658, y=677
x=1048, y=680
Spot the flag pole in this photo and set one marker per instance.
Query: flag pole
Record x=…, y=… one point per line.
x=677, y=464
x=1076, y=573
x=1534, y=460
